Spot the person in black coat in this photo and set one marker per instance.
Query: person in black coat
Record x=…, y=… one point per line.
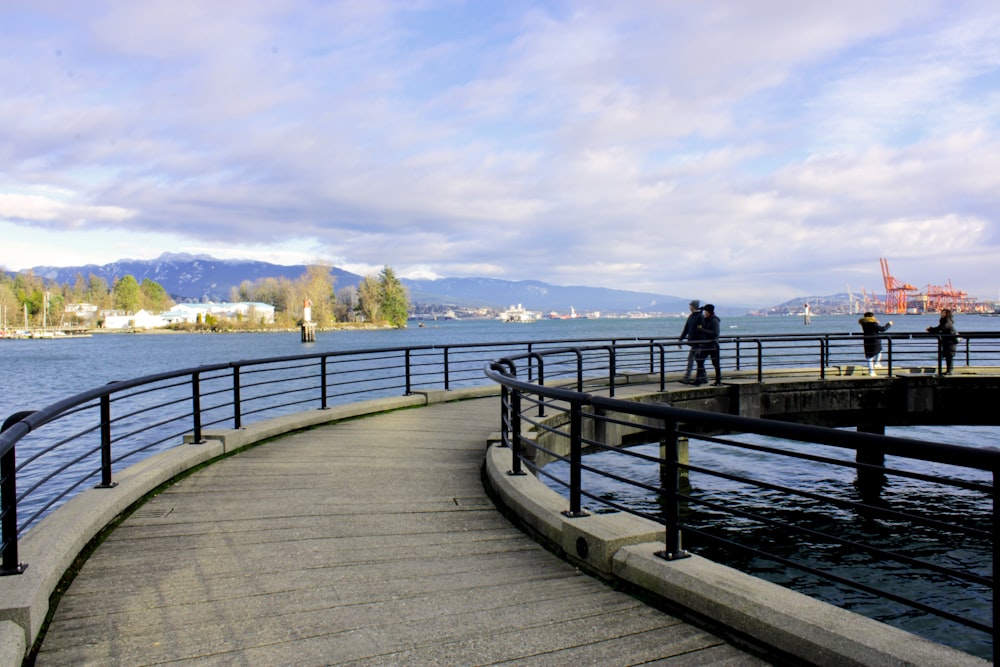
x=873, y=341
x=708, y=345
x=689, y=333
x=947, y=339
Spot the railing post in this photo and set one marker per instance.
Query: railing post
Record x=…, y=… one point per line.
x=575, y=461
x=237, y=403
x=663, y=367
x=670, y=475
x=822, y=358
x=504, y=416
x=611, y=370
x=579, y=369
x=106, y=482
x=888, y=357
x=517, y=449
x=738, y=359
x=322, y=384
x=447, y=374
x=9, y=564
x=407, y=365
x=531, y=369
x=760, y=361
x=196, y=407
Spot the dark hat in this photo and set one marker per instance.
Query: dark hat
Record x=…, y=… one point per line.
x=695, y=304
x=709, y=307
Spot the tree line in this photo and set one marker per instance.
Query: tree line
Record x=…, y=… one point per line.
x=380, y=299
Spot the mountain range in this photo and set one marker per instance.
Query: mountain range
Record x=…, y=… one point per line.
x=195, y=278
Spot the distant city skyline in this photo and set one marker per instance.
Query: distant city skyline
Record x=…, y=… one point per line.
x=746, y=152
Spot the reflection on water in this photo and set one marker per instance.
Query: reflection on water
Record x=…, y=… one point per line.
x=949, y=505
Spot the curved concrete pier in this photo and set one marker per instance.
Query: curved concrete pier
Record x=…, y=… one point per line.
x=366, y=542
x=362, y=535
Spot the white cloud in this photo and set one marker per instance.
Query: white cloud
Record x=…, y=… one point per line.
x=44, y=209
x=752, y=151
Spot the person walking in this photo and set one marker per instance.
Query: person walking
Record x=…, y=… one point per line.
x=871, y=328
x=708, y=345
x=688, y=333
x=947, y=340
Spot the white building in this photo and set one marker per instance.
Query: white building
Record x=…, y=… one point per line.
x=137, y=320
x=192, y=313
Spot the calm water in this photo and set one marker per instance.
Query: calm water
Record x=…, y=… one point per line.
x=35, y=373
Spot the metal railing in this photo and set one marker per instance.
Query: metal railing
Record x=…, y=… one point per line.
x=50, y=454
x=720, y=494
x=84, y=439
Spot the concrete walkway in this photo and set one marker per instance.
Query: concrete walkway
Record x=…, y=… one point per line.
x=368, y=542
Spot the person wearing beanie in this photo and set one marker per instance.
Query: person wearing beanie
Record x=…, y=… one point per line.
x=689, y=334
x=947, y=339
x=709, y=345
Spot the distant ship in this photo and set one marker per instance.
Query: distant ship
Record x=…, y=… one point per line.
x=573, y=315
x=518, y=314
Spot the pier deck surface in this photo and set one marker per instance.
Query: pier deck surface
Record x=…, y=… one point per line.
x=366, y=542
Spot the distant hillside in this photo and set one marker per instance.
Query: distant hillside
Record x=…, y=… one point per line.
x=188, y=277
x=534, y=295
x=203, y=278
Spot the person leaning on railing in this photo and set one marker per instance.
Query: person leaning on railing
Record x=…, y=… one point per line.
x=690, y=326
x=708, y=345
x=873, y=342
x=948, y=337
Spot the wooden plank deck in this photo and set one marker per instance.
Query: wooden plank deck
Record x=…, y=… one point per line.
x=368, y=542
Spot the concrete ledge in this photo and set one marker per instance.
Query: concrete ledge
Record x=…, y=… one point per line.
x=796, y=624
x=234, y=439
x=443, y=396
x=12, y=646
x=590, y=541
x=622, y=547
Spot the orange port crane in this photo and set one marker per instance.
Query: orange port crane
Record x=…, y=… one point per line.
x=940, y=297
x=896, y=292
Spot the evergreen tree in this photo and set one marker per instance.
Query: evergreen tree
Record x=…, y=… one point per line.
x=395, y=298
x=154, y=298
x=127, y=295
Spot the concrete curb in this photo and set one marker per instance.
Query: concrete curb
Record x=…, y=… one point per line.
x=50, y=547
x=12, y=647
x=623, y=547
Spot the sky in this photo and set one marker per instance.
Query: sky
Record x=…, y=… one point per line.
x=739, y=151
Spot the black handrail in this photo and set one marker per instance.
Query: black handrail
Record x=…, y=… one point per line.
x=694, y=424
x=137, y=417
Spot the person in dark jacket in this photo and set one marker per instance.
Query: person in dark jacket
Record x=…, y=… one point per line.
x=873, y=341
x=947, y=339
x=688, y=334
x=708, y=345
